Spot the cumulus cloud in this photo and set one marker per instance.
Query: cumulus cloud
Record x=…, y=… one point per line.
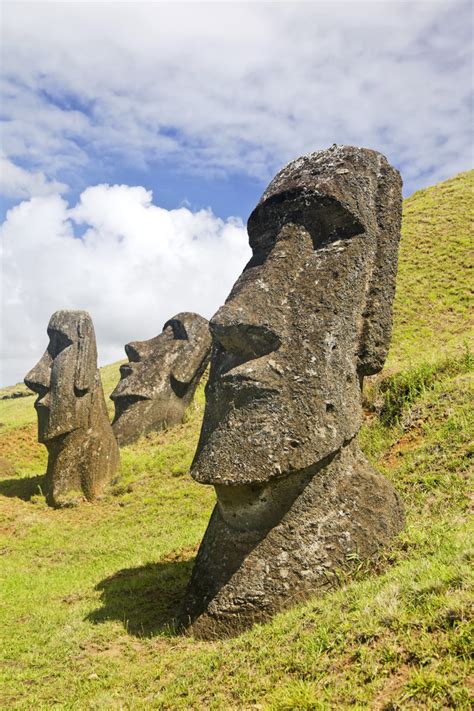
x=93, y=90
x=16, y=182
x=238, y=87
x=134, y=265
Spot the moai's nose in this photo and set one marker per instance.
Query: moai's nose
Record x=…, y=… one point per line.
x=136, y=351
x=249, y=324
x=38, y=379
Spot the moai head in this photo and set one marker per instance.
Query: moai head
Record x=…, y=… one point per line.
x=309, y=317
x=64, y=377
x=159, y=381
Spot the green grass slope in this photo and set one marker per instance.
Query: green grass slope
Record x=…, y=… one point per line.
x=435, y=273
x=89, y=595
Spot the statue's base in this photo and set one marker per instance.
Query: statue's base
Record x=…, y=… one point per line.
x=346, y=511
x=81, y=464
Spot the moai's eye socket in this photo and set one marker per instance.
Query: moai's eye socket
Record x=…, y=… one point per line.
x=58, y=341
x=325, y=218
x=179, y=331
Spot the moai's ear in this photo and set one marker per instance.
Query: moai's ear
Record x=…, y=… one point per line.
x=188, y=361
x=191, y=362
x=192, y=332
x=377, y=317
x=86, y=361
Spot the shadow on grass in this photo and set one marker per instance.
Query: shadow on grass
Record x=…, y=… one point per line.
x=147, y=600
x=23, y=488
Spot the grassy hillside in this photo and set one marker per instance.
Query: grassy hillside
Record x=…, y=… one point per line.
x=89, y=595
x=435, y=273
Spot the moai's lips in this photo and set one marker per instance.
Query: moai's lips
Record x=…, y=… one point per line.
x=234, y=378
x=127, y=400
x=42, y=401
x=251, y=379
x=240, y=384
x=252, y=371
x=127, y=387
x=245, y=371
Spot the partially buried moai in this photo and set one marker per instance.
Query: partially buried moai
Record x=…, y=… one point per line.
x=72, y=416
x=160, y=380
x=309, y=317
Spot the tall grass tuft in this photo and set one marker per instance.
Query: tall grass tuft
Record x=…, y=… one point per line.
x=399, y=391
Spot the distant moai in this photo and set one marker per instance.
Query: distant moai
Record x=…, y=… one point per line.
x=72, y=416
x=309, y=317
x=160, y=380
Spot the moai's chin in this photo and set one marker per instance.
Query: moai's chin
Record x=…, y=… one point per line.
x=130, y=419
x=345, y=511
x=147, y=415
x=81, y=464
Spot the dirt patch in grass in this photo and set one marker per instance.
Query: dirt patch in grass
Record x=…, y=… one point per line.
x=384, y=701
x=409, y=442
x=6, y=468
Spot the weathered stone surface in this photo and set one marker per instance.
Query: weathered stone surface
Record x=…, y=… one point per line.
x=161, y=377
x=72, y=417
x=309, y=317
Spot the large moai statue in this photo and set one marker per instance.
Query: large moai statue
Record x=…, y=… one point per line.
x=159, y=382
x=309, y=317
x=72, y=416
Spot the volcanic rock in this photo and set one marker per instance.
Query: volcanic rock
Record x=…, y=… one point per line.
x=309, y=317
x=72, y=416
x=159, y=382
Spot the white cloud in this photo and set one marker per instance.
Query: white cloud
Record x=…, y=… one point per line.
x=16, y=182
x=211, y=88
x=134, y=267
x=238, y=87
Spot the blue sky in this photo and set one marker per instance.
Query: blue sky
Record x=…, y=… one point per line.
x=199, y=103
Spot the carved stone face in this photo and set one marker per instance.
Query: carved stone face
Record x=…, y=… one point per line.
x=309, y=317
x=303, y=324
x=64, y=376
x=160, y=377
